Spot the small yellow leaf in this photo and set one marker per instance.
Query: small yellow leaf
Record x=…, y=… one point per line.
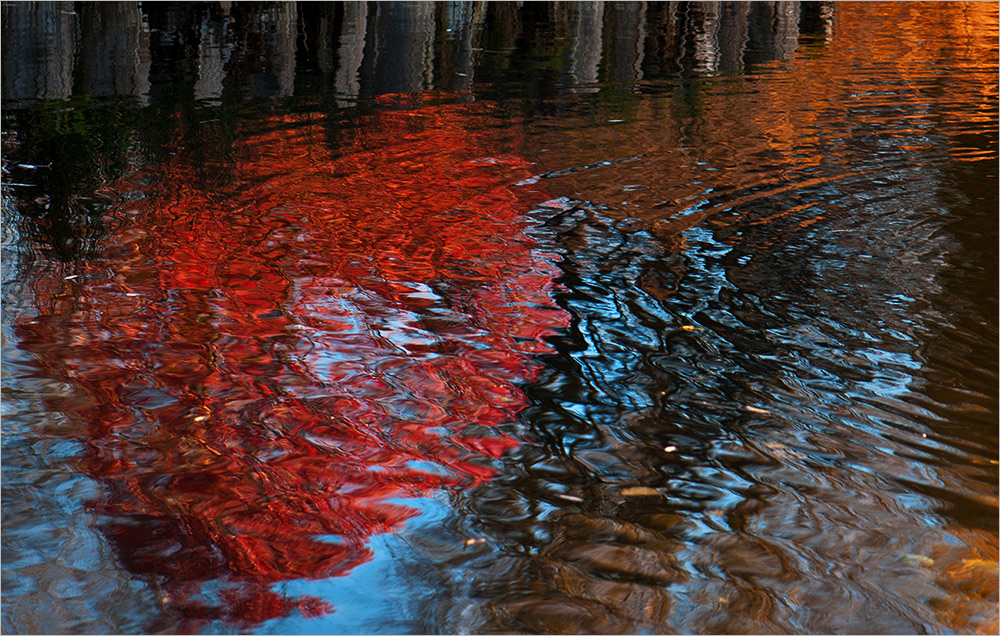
x=640, y=491
x=918, y=560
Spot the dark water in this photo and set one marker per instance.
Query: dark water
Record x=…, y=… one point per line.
x=478, y=318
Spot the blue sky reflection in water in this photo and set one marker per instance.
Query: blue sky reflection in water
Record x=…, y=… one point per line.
x=588, y=317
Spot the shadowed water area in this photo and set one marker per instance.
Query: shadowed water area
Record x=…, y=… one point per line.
x=589, y=317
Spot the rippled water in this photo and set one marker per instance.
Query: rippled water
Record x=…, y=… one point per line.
x=600, y=318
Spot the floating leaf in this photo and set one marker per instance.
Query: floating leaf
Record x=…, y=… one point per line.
x=918, y=560
x=640, y=491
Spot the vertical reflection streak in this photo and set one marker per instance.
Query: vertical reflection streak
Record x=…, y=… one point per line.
x=350, y=52
x=585, y=56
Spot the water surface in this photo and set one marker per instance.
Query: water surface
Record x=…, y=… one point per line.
x=450, y=318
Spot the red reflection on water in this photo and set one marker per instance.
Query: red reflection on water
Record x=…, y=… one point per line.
x=258, y=370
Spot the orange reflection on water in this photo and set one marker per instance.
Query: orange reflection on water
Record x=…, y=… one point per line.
x=257, y=370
